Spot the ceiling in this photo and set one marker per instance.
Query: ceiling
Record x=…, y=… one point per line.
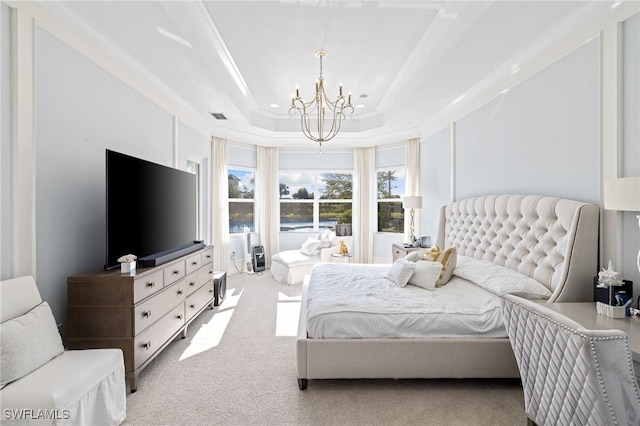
x=406, y=63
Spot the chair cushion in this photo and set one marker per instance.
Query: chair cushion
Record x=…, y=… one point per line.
x=87, y=386
x=19, y=296
x=28, y=342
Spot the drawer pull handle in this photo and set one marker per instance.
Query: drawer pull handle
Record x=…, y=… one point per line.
x=194, y=263
x=179, y=316
x=192, y=283
x=147, y=314
x=179, y=292
x=151, y=284
x=208, y=256
x=147, y=345
x=192, y=305
x=176, y=272
x=210, y=272
x=210, y=290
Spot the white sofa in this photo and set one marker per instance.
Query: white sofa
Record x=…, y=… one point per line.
x=290, y=266
x=42, y=383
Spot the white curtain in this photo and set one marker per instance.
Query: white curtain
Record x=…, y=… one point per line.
x=220, y=202
x=267, y=198
x=412, y=184
x=363, y=209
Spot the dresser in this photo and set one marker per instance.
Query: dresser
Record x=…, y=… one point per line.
x=398, y=250
x=140, y=313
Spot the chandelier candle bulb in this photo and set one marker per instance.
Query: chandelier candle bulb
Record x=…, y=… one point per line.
x=314, y=113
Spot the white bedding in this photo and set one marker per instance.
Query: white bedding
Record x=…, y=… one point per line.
x=357, y=301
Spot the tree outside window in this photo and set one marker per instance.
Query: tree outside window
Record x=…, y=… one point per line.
x=241, y=200
x=391, y=186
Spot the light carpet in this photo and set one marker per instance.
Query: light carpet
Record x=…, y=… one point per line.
x=237, y=367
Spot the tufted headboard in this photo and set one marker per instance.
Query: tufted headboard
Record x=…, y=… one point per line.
x=552, y=240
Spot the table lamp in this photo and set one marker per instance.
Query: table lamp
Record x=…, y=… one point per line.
x=412, y=202
x=623, y=194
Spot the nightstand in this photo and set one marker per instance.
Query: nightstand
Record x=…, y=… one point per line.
x=398, y=250
x=585, y=315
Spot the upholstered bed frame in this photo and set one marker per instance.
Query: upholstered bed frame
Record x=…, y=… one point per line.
x=552, y=240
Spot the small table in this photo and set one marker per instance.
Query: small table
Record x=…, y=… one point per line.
x=399, y=250
x=585, y=314
x=345, y=257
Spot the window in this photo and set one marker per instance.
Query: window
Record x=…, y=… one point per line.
x=241, y=200
x=197, y=166
x=390, y=189
x=315, y=201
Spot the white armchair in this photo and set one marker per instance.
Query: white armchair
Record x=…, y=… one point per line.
x=41, y=382
x=290, y=266
x=570, y=375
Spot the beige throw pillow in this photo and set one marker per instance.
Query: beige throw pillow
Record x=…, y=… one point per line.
x=447, y=258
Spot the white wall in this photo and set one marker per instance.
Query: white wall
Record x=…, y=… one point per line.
x=5, y=143
x=630, y=152
x=540, y=137
x=435, y=180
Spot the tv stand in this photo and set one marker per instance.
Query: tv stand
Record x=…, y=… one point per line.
x=142, y=312
x=163, y=257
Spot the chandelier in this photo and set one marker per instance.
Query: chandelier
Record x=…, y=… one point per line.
x=320, y=118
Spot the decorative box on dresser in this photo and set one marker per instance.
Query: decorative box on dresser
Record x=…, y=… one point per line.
x=140, y=313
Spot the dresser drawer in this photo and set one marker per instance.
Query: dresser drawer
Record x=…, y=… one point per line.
x=199, y=299
x=198, y=278
x=207, y=255
x=149, y=311
x=193, y=263
x=144, y=287
x=153, y=338
x=174, y=272
x=398, y=253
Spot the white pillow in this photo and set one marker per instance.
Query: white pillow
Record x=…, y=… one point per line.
x=28, y=342
x=327, y=235
x=414, y=256
x=310, y=246
x=401, y=271
x=499, y=279
x=426, y=274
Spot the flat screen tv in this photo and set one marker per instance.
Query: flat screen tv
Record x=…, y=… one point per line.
x=151, y=210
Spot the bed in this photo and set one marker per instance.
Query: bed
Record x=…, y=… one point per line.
x=550, y=241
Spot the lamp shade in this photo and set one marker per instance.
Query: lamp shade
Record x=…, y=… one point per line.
x=412, y=202
x=622, y=194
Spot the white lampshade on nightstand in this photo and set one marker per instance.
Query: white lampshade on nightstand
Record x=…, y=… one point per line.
x=623, y=194
x=412, y=202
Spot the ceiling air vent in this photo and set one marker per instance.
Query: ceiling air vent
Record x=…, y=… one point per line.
x=218, y=116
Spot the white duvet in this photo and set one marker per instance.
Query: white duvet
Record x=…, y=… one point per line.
x=357, y=301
